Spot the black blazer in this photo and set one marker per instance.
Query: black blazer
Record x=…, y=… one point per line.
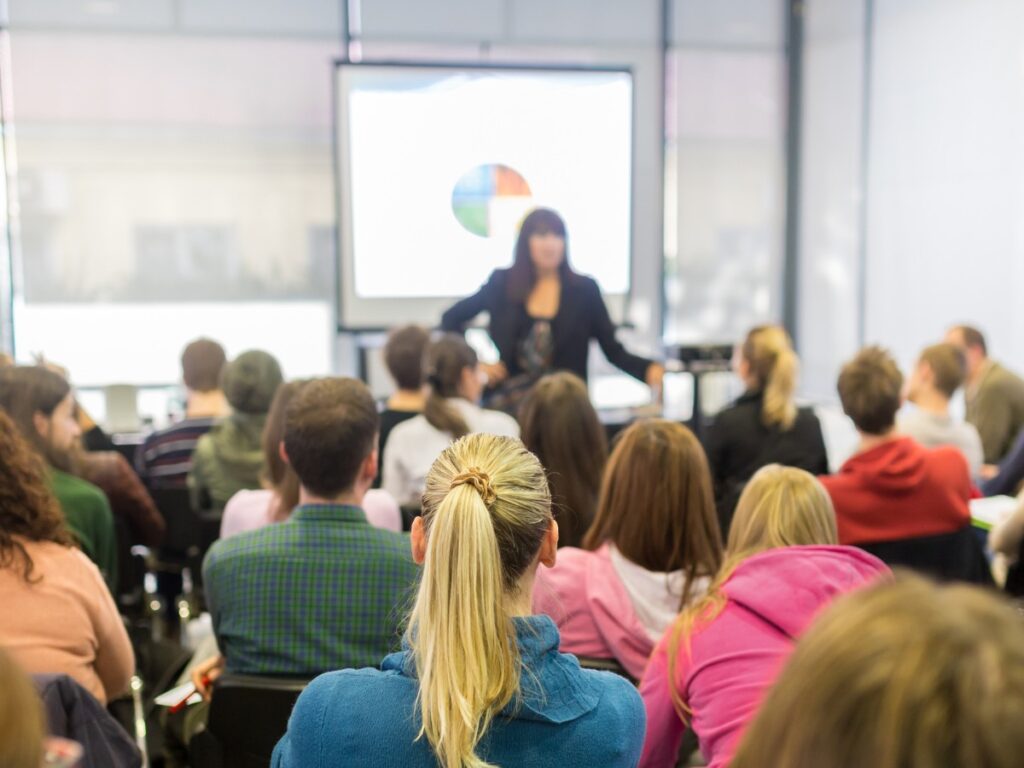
x=738, y=444
x=582, y=316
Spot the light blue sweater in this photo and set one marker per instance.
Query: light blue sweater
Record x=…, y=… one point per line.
x=564, y=715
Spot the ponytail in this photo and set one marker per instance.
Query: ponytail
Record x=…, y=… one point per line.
x=446, y=359
x=486, y=511
x=769, y=353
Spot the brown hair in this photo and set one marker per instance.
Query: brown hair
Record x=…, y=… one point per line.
x=903, y=673
x=445, y=361
x=947, y=365
x=523, y=274
x=561, y=427
x=779, y=507
x=202, y=362
x=403, y=355
x=870, y=388
x=28, y=510
x=26, y=390
x=774, y=365
x=22, y=719
x=330, y=427
x=656, y=504
x=276, y=473
x=972, y=337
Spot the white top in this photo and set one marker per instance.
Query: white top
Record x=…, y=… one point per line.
x=249, y=510
x=931, y=431
x=413, y=446
x=655, y=595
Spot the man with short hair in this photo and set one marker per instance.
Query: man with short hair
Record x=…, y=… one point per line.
x=403, y=355
x=937, y=375
x=892, y=488
x=994, y=394
x=324, y=589
x=165, y=458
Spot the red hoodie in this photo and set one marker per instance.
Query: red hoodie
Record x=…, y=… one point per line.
x=900, y=490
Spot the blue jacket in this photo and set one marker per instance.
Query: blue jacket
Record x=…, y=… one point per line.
x=564, y=715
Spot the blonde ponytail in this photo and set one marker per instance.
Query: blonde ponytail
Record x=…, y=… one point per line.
x=486, y=511
x=769, y=353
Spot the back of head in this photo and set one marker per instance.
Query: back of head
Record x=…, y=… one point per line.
x=656, y=504
x=330, y=428
x=202, y=365
x=251, y=380
x=27, y=390
x=870, y=387
x=559, y=424
x=773, y=363
x=970, y=337
x=22, y=721
x=276, y=473
x=403, y=355
x=900, y=674
x=486, y=511
x=445, y=360
x=947, y=365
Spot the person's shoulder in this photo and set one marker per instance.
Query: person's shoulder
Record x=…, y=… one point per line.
x=244, y=545
x=75, y=489
x=499, y=423
x=407, y=430
x=620, y=710
x=948, y=461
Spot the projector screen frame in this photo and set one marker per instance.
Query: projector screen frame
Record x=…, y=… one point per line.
x=618, y=304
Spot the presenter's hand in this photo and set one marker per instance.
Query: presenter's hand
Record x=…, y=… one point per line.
x=654, y=377
x=495, y=372
x=204, y=674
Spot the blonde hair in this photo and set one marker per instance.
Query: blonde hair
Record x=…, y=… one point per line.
x=22, y=724
x=904, y=673
x=486, y=510
x=780, y=507
x=773, y=363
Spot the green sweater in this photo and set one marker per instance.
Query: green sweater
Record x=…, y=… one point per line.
x=87, y=513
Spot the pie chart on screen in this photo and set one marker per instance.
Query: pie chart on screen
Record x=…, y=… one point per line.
x=490, y=200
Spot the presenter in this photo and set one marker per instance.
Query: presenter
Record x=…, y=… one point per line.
x=543, y=316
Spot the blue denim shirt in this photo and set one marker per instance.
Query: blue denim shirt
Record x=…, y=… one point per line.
x=563, y=716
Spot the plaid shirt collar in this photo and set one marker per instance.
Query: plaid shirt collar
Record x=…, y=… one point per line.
x=342, y=513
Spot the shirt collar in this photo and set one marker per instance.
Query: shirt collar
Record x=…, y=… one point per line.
x=344, y=513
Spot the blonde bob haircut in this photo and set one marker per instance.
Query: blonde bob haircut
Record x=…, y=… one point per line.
x=904, y=674
x=780, y=507
x=486, y=511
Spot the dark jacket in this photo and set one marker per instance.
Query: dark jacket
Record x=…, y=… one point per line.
x=582, y=316
x=739, y=444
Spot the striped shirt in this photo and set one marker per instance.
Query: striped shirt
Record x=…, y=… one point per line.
x=322, y=590
x=165, y=458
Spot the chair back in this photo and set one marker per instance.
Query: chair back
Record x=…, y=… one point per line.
x=956, y=556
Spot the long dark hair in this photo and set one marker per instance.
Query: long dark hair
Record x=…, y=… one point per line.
x=27, y=390
x=559, y=425
x=523, y=274
x=276, y=473
x=445, y=360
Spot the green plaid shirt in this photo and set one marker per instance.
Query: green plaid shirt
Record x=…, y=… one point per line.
x=323, y=590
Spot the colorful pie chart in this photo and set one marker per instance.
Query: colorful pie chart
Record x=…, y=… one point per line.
x=489, y=199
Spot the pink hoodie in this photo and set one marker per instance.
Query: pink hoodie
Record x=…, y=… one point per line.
x=771, y=599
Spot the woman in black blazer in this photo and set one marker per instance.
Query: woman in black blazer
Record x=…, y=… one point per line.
x=543, y=315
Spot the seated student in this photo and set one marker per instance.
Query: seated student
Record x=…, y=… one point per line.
x=651, y=551
x=58, y=615
x=451, y=412
x=994, y=395
x=323, y=589
x=41, y=404
x=22, y=720
x=902, y=674
x=781, y=567
x=559, y=426
x=480, y=680
x=165, y=457
x=939, y=373
x=892, y=488
x=228, y=457
x=403, y=355
x=763, y=426
x=249, y=510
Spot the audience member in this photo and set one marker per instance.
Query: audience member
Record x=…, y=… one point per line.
x=652, y=549
x=41, y=404
x=994, y=395
x=936, y=377
x=58, y=614
x=165, y=458
x=450, y=412
x=323, y=589
x=782, y=566
x=560, y=427
x=228, y=458
x=403, y=355
x=892, y=488
x=763, y=426
x=481, y=681
x=22, y=721
x=1005, y=538
x=902, y=674
x=249, y=510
